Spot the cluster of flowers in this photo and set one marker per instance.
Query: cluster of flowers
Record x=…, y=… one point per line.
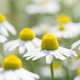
x=34, y=48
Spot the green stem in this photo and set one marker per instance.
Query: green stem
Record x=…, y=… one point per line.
x=2, y=50
x=32, y=64
x=51, y=68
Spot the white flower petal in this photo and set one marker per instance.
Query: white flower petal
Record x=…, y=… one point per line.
x=29, y=53
x=13, y=47
x=2, y=39
x=18, y=74
x=21, y=49
x=74, y=45
x=58, y=55
x=29, y=46
x=39, y=55
x=37, y=42
x=67, y=51
x=10, y=28
x=49, y=59
x=11, y=43
x=3, y=31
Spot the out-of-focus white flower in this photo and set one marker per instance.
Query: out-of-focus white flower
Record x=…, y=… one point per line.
x=27, y=41
x=70, y=2
x=5, y=26
x=50, y=48
x=68, y=30
x=76, y=44
x=12, y=70
x=2, y=39
x=38, y=1
x=43, y=6
x=41, y=29
x=58, y=71
x=78, y=76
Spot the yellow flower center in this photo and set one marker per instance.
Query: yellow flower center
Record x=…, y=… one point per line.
x=2, y=18
x=79, y=71
x=26, y=34
x=64, y=19
x=49, y=42
x=61, y=28
x=56, y=66
x=12, y=62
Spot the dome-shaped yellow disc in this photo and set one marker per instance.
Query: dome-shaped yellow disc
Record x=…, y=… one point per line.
x=12, y=62
x=26, y=34
x=49, y=42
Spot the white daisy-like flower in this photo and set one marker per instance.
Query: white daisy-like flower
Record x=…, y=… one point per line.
x=58, y=71
x=78, y=76
x=12, y=70
x=66, y=28
x=76, y=44
x=27, y=41
x=5, y=26
x=41, y=29
x=70, y=2
x=50, y=48
x=43, y=6
x=2, y=39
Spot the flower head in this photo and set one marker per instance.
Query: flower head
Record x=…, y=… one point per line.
x=43, y=6
x=27, y=41
x=49, y=42
x=26, y=34
x=65, y=30
x=64, y=19
x=12, y=70
x=2, y=18
x=12, y=62
x=50, y=48
x=5, y=26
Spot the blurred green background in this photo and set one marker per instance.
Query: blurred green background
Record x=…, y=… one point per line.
x=14, y=10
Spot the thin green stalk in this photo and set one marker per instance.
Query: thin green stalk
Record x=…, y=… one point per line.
x=32, y=65
x=52, y=73
x=2, y=50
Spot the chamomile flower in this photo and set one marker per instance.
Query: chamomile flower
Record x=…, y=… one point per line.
x=5, y=26
x=66, y=30
x=78, y=76
x=12, y=70
x=43, y=6
x=2, y=39
x=49, y=48
x=58, y=71
x=76, y=44
x=27, y=41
